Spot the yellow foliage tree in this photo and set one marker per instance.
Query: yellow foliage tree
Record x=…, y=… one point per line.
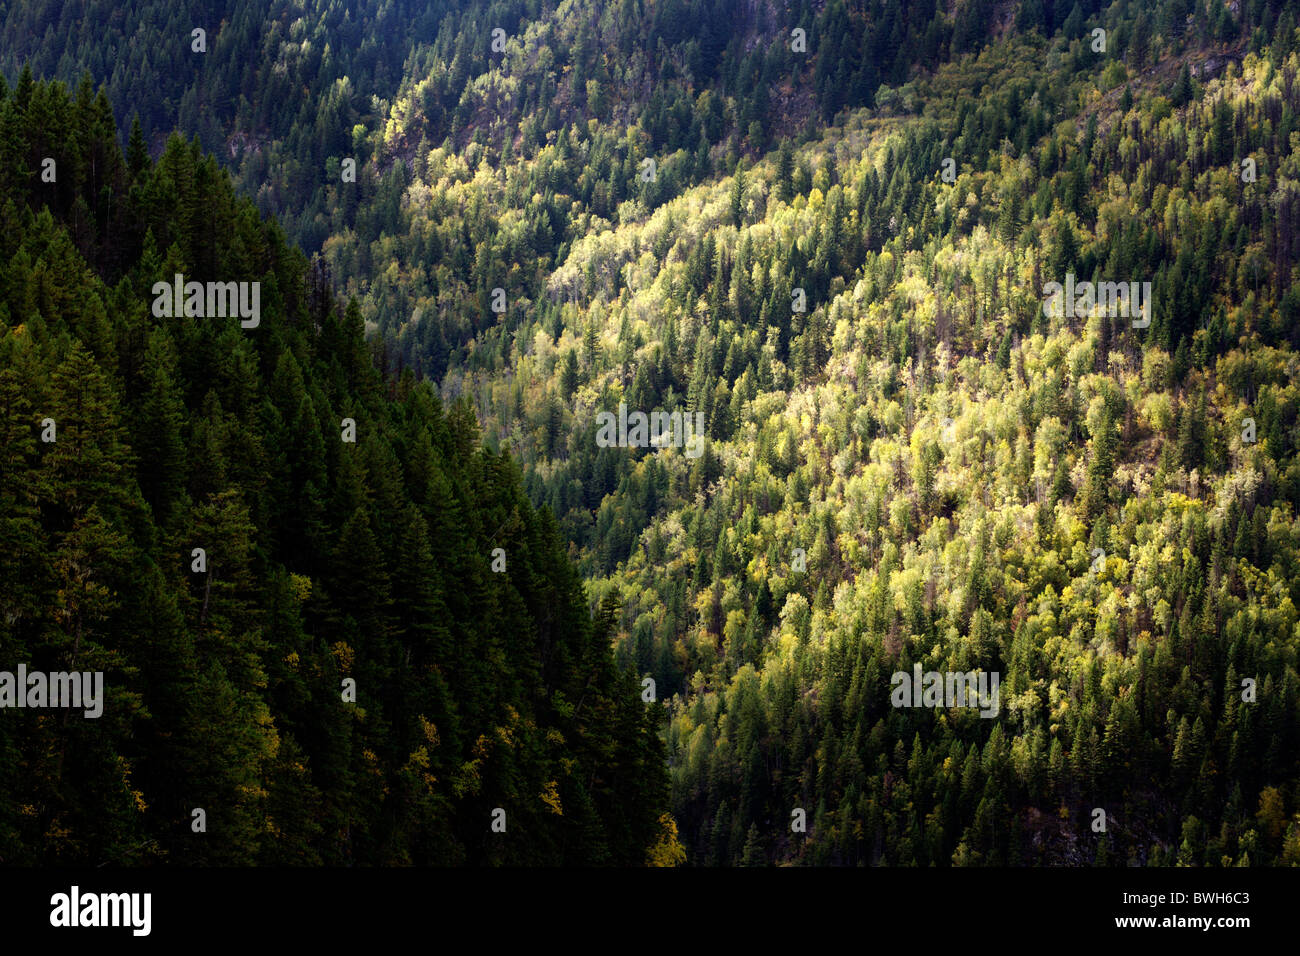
x=666, y=850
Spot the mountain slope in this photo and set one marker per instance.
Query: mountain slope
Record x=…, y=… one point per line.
x=348, y=527
x=840, y=259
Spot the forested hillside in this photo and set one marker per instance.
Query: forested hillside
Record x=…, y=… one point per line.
x=326, y=559
x=827, y=228
x=283, y=90
x=949, y=458
x=1067, y=501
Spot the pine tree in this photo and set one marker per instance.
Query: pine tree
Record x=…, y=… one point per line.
x=784, y=172
x=137, y=153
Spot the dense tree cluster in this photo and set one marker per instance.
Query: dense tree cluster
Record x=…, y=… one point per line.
x=284, y=90
x=951, y=459
x=326, y=560
x=839, y=260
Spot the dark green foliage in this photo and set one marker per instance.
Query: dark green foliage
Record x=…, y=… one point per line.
x=325, y=560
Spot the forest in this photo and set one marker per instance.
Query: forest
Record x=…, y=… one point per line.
x=824, y=228
x=326, y=560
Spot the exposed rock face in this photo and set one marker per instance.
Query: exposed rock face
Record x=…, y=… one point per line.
x=1214, y=65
